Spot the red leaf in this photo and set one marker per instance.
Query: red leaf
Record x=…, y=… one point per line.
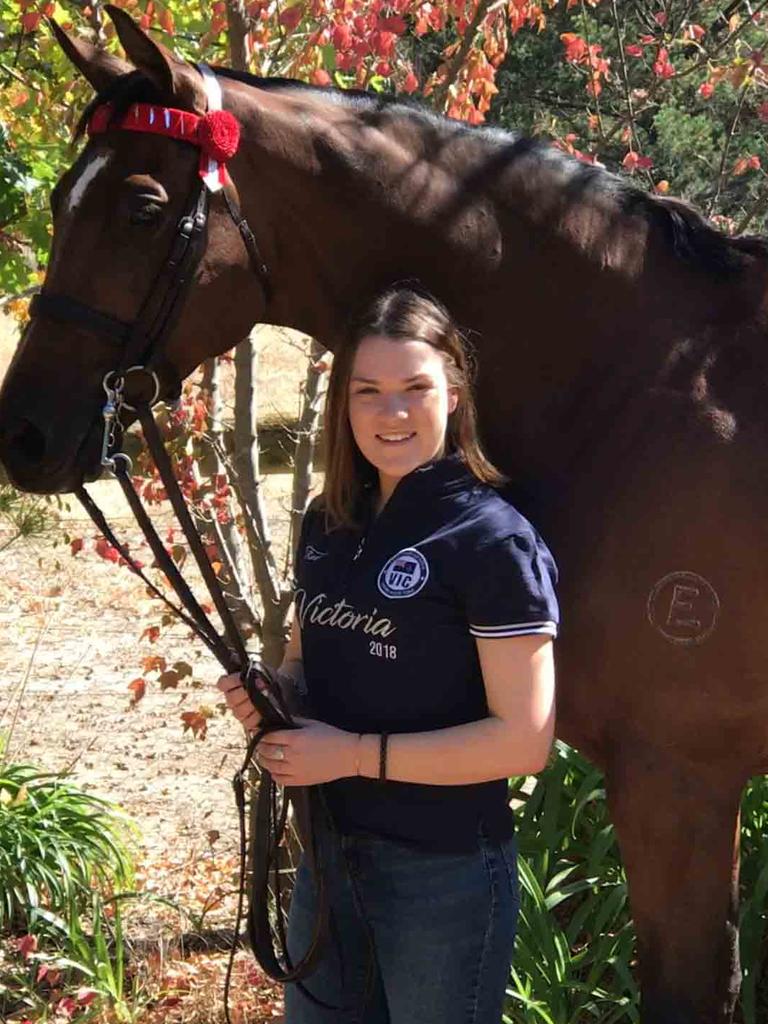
x=411, y=84
x=30, y=21
x=744, y=164
x=289, y=20
x=634, y=50
x=197, y=722
x=138, y=688
x=706, y=89
x=576, y=48
x=27, y=945
x=76, y=545
x=85, y=996
x=320, y=77
x=151, y=633
x=395, y=24
x=67, y=1006
x=105, y=549
x=341, y=36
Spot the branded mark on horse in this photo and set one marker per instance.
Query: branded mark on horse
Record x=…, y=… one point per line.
x=622, y=362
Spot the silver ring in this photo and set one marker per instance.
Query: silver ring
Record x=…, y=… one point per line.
x=279, y=754
x=156, y=382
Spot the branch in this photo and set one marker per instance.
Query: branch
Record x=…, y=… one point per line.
x=440, y=94
x=758, y=208
x=309, y=421
x=234, y=580
x=727, y=145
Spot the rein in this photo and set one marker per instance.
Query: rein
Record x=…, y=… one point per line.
x=141, y=344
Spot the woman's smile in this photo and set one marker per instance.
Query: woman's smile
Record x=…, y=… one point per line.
x=396, y=439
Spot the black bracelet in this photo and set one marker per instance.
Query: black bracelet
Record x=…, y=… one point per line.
x=383, y=756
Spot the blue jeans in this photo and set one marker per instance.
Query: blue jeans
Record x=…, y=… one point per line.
x=442, y=926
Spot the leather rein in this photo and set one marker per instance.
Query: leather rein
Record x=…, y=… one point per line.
x=141, y=343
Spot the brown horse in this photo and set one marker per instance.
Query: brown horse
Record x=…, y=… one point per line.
x=623, y=360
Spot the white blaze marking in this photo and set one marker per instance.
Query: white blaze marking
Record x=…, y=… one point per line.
x=89, y=172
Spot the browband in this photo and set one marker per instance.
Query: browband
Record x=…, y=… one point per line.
x=216, y=134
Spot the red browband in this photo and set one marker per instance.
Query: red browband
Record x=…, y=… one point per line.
x=216, y=134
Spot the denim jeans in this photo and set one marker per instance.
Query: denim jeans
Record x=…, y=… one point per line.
x=442, y=926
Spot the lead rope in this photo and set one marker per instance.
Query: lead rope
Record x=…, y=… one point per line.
x=270, y=826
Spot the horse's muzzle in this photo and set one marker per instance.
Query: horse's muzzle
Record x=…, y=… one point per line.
x=34, y=463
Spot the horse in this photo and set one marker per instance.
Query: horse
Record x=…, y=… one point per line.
x=620, y=342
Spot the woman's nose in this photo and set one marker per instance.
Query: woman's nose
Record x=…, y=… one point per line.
x=393, y=407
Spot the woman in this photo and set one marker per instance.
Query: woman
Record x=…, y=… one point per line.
x=422, y=642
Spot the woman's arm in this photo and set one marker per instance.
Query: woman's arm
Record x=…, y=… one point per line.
x=515, y=739
x=519, y=678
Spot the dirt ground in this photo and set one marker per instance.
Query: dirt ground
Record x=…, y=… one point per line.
x=71, y=630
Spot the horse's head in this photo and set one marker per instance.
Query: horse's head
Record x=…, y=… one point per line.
x=117, y=213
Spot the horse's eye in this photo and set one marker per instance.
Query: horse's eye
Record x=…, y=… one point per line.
x=148, y=213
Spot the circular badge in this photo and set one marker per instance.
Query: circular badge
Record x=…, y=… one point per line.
x=683, y=607
x=404, y=574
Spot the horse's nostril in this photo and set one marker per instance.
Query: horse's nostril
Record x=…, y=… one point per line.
x=27, y=440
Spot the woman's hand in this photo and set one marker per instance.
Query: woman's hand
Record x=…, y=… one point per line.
x=317, y=752
x=239, y=702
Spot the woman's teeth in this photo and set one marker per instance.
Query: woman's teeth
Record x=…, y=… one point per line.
x=394, y=438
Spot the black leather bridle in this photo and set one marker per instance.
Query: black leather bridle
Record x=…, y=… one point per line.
x=141, y=345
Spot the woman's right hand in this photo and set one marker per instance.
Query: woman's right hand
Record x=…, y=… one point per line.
x=239, y=702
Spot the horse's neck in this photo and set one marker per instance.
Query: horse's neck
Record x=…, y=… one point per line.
x=352, y=206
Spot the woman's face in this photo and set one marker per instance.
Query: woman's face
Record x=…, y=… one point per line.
x=399, y=402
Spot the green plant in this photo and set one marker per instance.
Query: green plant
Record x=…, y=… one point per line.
x=575, y=945
x=575, y=952
x=753, y=915
x=56, y=844
x=21, y=515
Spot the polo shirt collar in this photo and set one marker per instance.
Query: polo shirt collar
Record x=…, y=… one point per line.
x=438, y=476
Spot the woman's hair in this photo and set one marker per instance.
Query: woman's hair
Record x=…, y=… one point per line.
x=408, y=315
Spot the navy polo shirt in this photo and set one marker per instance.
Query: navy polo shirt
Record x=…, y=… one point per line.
x=389, y=615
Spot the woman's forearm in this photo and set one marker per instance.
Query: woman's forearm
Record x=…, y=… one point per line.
x=475, y=752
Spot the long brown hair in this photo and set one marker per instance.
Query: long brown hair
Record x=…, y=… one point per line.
x=409, y=315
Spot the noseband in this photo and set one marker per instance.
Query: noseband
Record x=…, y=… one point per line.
x=141, y=346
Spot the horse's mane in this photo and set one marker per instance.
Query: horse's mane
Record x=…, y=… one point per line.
x=692, y=237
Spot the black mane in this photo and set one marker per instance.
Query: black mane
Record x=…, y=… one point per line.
x=693, y=238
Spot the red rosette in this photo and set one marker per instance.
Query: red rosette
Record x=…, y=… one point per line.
x=219, y=135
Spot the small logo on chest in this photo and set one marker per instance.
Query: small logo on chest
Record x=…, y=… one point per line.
x=404, y=574
x=312, y=554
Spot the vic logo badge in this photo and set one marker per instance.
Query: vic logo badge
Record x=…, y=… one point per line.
x=404, y=574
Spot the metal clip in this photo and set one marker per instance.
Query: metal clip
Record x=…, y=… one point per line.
x=110, y=413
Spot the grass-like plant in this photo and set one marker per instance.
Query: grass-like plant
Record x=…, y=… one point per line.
x=575, y=944
x=57, y=843
x=575, y=952
x=21, y=515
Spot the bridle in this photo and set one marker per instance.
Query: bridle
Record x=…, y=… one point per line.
x=141, y=344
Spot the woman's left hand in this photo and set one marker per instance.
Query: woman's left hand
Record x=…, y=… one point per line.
x=317, y=752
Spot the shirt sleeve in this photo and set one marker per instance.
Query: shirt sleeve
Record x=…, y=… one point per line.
x=511, y=588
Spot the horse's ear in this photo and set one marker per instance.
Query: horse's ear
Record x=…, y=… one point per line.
x=178, y=82
x=99, y=67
